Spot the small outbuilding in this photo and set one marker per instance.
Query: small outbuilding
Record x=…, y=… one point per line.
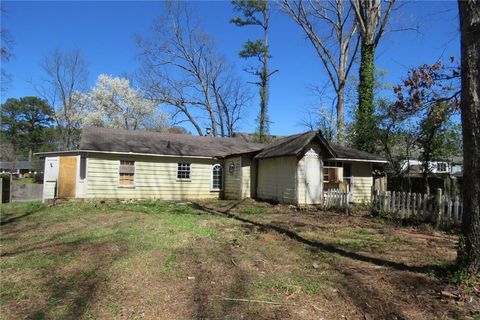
x=121, y=164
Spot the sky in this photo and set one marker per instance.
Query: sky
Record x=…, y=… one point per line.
x=105, y=31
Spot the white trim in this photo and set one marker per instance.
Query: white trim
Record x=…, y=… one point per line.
x=118, y=153
x=211, y=178
x=356, y=160
x=189, y=172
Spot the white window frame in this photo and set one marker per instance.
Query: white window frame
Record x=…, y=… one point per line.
x=221, y=177
x=443, y=164
x=189, y=171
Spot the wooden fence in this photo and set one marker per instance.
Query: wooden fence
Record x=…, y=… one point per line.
x=439, y=209
x=334, y=198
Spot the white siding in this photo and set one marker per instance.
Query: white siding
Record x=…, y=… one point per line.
x=50, y=177
x=301, y=173
x=277, y=179
x=233, y=180
x=362, y=181
x=155, y=178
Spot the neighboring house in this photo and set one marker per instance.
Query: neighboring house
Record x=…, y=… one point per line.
x=17, y=168
x=120, y=164
x=452, y=167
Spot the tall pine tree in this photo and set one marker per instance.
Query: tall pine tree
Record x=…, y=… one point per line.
x=256, y=13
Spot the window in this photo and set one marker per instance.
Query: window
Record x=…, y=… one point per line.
x=183, y=171
x=217, y=177
x=347, y=170
x=441, y=167
x=127, y=173
x=325, y=174
x=330, y=175
x=83, y=167
x=332, y=164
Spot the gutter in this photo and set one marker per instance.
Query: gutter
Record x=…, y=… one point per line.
x=356, y=160
x=58, y=153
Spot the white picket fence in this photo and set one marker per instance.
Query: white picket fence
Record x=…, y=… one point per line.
x=440, y=209
x=334, y=198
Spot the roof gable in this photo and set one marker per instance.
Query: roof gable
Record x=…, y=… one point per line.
x=293, y=145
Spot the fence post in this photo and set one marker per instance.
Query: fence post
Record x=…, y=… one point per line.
x=449, y=209
x=439, y=205
x=455, y=209
x=394, y=200
x=408, y=212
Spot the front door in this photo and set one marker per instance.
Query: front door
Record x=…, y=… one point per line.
x=313, y=179
x=67, y=177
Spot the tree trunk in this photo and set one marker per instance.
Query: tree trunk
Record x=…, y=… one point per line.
x=365, y=122
x=340, y=104
x=468, y=258
x=263, y=118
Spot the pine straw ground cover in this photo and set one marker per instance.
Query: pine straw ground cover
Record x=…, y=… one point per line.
x=221, y=260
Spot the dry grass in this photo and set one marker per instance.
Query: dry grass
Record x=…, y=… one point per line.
x=159, y=260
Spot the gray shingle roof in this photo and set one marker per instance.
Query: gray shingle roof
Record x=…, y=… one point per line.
x=15, y=164
x=292, y=145
x=351, y=153
x=119, y=140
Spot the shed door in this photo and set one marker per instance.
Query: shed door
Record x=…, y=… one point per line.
x=67, y=177
x=313, y=179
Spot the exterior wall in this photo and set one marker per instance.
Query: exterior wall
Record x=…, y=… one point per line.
x=50, y=177
x=155, y=178
x=82, y=185
x=277, y=179
x=246, y=185
x=301, y=174
x=362, y=181
x=233, y=178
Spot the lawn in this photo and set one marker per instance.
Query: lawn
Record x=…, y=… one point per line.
x=220, y=260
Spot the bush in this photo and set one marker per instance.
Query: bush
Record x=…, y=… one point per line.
x=37, y=177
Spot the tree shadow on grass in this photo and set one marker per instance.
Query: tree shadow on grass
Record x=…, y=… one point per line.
x=7, y=218
x=322, y=246
x=218, y=280
x=66, y=286
x=359, y=285
x=73, y=290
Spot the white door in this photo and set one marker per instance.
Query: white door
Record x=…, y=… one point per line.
x=313, y=180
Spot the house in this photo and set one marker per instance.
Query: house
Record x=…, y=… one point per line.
x=120, y=164
x=446, y=174
x=453, y=166
x=17, y=168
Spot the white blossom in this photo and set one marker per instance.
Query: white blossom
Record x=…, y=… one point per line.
x=116, y=104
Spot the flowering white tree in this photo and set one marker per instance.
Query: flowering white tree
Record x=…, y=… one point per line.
x=114, y=103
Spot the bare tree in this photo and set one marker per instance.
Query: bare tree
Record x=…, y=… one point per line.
x=333, y=46
x=5, y=54
x=469, y=247
x=178, y=63
x=66, y=75
x=232, y=98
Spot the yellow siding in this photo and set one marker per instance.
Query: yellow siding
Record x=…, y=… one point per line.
x=233, y=181
x=155, y=178
x=277, y=179
x=362, y=182
x=246, y=177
